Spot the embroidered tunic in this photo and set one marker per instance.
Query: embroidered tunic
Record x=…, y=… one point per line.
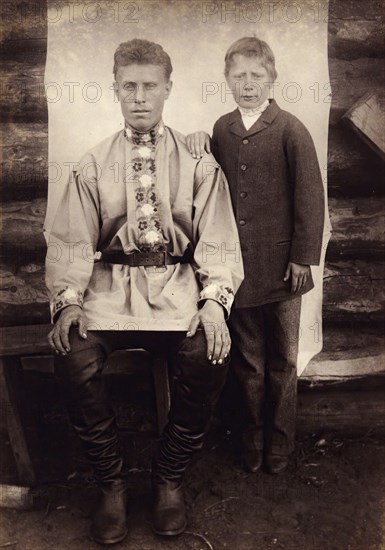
x=143, y=192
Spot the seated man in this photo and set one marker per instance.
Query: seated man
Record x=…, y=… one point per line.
x=146, y=248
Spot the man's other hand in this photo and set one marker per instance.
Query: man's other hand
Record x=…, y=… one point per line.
x=299, y=274
x=211, y=318
x=198, y=143
x=58, y=337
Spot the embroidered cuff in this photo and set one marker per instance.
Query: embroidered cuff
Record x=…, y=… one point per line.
x=67, y=296
x=224, y=295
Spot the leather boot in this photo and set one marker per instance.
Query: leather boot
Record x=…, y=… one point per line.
x=276, y=464
x=94, y=421
x=252, y=460
x=196, y=389
x=109, y=523
x=169, y=465
x=169, y=517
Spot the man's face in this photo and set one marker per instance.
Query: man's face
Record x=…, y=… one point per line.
x=142, y=91
x=248, y=81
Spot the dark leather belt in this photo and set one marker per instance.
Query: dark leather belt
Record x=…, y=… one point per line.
x=136, y=259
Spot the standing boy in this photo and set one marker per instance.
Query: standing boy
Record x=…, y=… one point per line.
x=269, y=159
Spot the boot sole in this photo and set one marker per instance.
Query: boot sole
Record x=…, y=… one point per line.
x=110, y=541
x=170, y=533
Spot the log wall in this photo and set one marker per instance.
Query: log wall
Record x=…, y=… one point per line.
x=354, y=275
x=355, y=260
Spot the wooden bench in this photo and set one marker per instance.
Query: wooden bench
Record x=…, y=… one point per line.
x=28, y=341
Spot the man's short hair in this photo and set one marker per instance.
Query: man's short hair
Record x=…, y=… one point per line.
x=250, y=46
x=142, y=52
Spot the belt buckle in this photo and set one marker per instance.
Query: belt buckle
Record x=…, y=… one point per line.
x=162, y=255
x=156, y=258
x=159, y=262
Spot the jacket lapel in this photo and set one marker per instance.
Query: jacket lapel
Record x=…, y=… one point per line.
x=236, y=125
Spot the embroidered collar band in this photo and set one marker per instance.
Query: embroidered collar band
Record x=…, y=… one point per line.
x=144, y=138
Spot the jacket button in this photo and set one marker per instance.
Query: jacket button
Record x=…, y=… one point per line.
x=243, y=195
x=243, y=167
x=242, y=222
x=245, y=141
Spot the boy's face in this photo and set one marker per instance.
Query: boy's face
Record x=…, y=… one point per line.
x=142, y=91
x=249, y=81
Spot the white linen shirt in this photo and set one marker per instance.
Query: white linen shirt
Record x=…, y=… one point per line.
x=97, y=214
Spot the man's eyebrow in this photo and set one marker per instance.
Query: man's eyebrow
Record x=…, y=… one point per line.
x=124, y=82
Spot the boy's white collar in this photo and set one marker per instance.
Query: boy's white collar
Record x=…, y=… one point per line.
x=253, y=112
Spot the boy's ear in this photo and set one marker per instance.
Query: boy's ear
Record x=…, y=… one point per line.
x=270, y=84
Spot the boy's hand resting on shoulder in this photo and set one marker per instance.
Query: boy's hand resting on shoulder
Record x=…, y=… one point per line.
x=198, y=143
x=299, y=274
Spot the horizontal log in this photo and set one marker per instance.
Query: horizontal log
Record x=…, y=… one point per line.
x=342, y=387
x=23, y=52
x=350, y=80
x=354, y=170
x=23, y=294
x=31, y=341
x=21, y=228
x=352, y=39
x=354, y=290
x=23, y=92
x=342, y=410
x=32, y=62
x=358, y=229
x=22, y=21
x=347, y=355
x=24, y=340
x=24, y=161
x=351, y=342
x=355, y=10
x=348, y=352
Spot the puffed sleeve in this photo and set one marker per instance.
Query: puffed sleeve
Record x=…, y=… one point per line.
x=217, y=257
x=72, y=240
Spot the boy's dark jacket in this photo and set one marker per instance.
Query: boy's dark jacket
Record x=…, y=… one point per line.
x=278, y=199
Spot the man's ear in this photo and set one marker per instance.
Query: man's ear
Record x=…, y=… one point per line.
x=116, y=89
x=168, y=88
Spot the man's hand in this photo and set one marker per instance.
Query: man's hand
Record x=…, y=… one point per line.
x=212, y=319
x=299, y=274
x=58, y=337
x=198, y=143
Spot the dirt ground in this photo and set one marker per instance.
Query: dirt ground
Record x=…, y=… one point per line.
x=331, y=498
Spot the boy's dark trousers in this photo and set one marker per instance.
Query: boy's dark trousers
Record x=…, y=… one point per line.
x=264, y=359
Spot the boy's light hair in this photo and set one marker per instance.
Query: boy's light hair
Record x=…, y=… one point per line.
x=250, y=46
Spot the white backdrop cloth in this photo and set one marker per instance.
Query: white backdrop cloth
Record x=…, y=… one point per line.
x=82, y=38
